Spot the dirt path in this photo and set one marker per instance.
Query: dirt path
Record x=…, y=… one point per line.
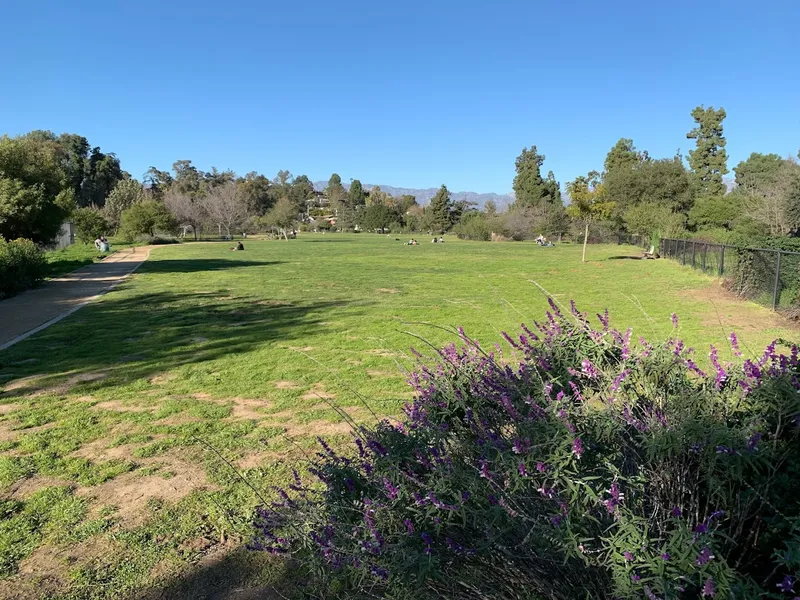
x=33, y=310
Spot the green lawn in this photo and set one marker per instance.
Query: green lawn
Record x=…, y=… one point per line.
x=124, y=429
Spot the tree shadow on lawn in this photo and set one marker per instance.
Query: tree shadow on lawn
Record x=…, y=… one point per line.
x=195, y=265
x=241, y=574
x=121, y=339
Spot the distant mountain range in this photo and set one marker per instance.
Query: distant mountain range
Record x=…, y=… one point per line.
x=424, y=196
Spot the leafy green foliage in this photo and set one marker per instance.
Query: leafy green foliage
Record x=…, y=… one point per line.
x=282, y=216
x=649, y=220
x=356, y=196
x=716, y=211
x=623, y=156
x=147, y=218
x=474, y=226
x=90, y=223
x=22, y=266
x=709, y=160
x=33, y=202
x=440, y=211
x=757, y=168
x=665, y=182
x=529, y=187
x=126, y=193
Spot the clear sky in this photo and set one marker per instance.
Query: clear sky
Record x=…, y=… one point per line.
x=412, y=93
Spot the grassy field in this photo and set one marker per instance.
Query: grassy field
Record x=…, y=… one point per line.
x=126, y=429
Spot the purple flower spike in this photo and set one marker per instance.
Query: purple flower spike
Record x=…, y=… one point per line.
x=628, y=556
x=735, y=344
x=676, y=512
x=409, y=526
x=635, y=577
x=709, y=589
x=674, y=321
x=786, y=585
x=577, y=447
x=666, y=556
x=523, y=471
x=704, y=557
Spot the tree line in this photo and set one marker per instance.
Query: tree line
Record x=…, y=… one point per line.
x=47, y=178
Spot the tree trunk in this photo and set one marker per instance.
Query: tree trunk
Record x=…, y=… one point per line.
x=585, y=239
x=286, y=237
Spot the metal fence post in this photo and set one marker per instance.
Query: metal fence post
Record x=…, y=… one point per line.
x=705, y=252
x=722, y=261
x=693, y=252
x=777, y=281
x=683, y=257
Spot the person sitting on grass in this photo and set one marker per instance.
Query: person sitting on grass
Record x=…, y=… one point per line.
x=238, y=247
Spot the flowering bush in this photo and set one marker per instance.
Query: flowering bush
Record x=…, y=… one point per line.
x=579, y=467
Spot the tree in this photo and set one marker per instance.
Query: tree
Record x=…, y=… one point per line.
x=440, y=211
x=490, y=208
x=157, y=182
x=774, y=201
x=407, y=201
x=282, y=216
x=124, y=195
x=226, y=207
x=709, y=159
x=33, y=199
x=711, y=212
x=623, y=155
x=552, y=189
x=102, y=173
x=758, y=168
x=301, y=191
x=378, y=216
x=529, y=187
x=335, y=191
x=216, y=178
x=90, y=223
x=588, y=203
x=356, y=195
x=255, y=191
x=186, y=208
x=653, y=221
x=147, y=218
x=664, y=182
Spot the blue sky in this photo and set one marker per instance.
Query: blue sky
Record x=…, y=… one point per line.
x=410, y=93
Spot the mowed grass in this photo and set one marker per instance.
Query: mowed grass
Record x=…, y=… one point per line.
x=138, y=435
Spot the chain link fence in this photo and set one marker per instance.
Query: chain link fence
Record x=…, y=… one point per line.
x=765, y=275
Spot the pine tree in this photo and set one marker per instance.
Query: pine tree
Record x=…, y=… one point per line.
x=356, y=195
x=529, y=187
x=441, y=211
x=709, y=160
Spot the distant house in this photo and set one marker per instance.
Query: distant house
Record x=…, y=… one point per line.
x=66, y=237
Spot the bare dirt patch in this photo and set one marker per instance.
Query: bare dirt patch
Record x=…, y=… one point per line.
x=317, y=428
x=33, y=484
x=252, y=461
x=7, y=408
x=117, y=406
x=732, y=312
x=22, y=383
x=380, y=352
x=301, y=348
x=318, y=393
x=201, y=396
x=286, y=385
x=387, y=291
x=248, y=408
x=162, y=379
x=130, y=492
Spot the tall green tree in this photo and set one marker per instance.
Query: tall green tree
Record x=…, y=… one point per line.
x=623, y=155
x=664, y=182
x=356, y=195
x=529, y=187
x=35, y=193
x=102, y=173
x=335, y=191
x=254, y=188
x=758, y=168
x=552, y=189
x=301, y=191
x=440, y=211
x=709, y=160
x=282, y=216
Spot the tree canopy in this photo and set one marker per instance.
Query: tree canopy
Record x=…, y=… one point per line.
x=709, y=160
x=529, y=186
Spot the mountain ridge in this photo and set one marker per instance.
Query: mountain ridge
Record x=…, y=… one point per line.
x=424, y=195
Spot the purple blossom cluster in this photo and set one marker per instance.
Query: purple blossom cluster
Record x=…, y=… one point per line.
x=583, y=435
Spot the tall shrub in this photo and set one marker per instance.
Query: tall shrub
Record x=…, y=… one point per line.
x=580, y=467
x=22, y=266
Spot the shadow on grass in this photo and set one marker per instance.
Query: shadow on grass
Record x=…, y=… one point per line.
x=625, y=258
x=238, y=575
x=124, y=338
x=195, y=265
